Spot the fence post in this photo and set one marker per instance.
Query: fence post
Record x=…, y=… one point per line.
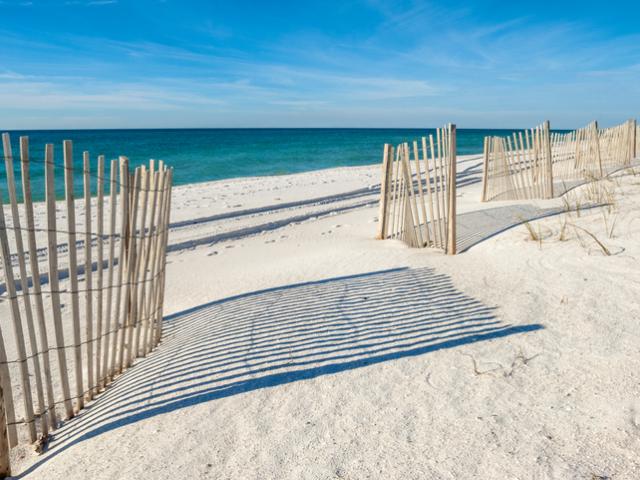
x=384, y=185
x=596, y=134
x=634, y=133
x=547, y=146
x=5, y=465
x=485, y=169
x=451, y=217
x=67, y=147
x=635, y=139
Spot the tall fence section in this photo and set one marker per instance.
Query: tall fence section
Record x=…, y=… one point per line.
x=418, y=192
x=83, y=284
x=539, y=164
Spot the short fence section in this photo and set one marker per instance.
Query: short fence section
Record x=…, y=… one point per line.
x=538, y=164
x=77, y=313
x=519, y=166
x=418, y=192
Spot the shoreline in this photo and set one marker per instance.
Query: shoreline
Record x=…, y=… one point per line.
x=207, y=183
x=216, y=155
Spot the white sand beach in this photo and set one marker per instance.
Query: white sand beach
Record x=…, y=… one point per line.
x=299, y=347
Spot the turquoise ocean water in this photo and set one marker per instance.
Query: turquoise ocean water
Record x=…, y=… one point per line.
x=199, y=155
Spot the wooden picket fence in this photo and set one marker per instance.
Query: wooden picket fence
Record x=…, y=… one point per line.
x=72, y=350
x=591, y=152
x=527, y=166
x=418, y=192
x=618, y=145
x=576, y=154
x=519, y=166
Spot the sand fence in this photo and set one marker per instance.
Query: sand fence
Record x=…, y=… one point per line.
x=539, y=164
x=418, y=192
x=76, y=314
x=418, y=187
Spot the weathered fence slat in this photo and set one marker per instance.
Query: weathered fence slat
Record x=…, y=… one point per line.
x=436, y=196
x=151, y=307
x=144, y=313
x=117, y=346
x=129, y=288
x=100, y=271
x=384, y=200
x=163, y=253
x=451, y=215
x=35, y=275
x=413, y=210
x=15, y=311
x=140, y=258
x=24, y=287
x=112, y=328
x=88, y=275
x=429, y=223
x=52, y=256
x=73, y=270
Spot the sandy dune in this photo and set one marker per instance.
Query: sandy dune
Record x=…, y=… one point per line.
x=297, y=346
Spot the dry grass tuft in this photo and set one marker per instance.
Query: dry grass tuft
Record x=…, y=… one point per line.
x=562, y=235
x=600, y=191
x=602, y=246
x=534, y=235
x=609, y=226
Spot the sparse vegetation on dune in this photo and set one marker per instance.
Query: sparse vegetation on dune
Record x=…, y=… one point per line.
x=592, y=213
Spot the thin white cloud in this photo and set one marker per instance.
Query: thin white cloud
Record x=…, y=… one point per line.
x=91, y=3
x=8, y=75
x=58, y=95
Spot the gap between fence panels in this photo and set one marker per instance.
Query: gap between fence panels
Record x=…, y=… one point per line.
x=115, y=295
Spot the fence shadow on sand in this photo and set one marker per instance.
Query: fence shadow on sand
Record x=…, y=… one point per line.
x=480, y=225
x=282, y=335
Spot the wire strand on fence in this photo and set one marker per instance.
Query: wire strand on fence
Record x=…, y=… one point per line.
x=139, y=287
x=76, y=169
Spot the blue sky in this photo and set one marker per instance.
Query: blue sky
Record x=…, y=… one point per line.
x=307, y=63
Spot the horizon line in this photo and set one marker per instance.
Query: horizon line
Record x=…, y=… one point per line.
x=264, y=128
